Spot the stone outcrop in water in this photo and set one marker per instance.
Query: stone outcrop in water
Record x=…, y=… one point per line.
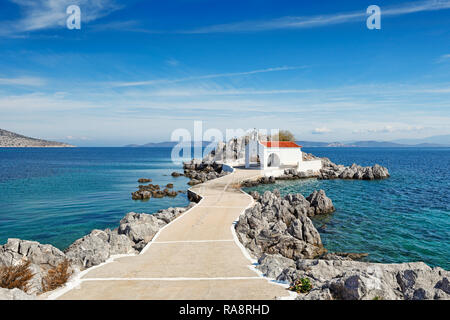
x=277, y=225
x=146, y=192
x=320, y=203
x=333, y=171
x=200, y=171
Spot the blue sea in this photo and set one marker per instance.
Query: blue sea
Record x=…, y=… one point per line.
x=401, y=219
x=56, y=196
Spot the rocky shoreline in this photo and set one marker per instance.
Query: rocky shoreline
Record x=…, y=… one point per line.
x=134, y=232
x=279, y=233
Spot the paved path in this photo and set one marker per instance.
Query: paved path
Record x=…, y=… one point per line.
x=194, y=257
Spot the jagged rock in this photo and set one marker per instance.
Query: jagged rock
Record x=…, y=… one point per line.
x=41, y=256
x=272, y=265
x=193, y=197
x=200, y=171
x=169, y=185
x=90, y=250
x=380, y=172
x=276, y=225
x=97, y=247
x=15, y=294
x=255, y=195
x=176, y=174
x=332, y=171
x=144, y=180
x=44, y=255
x=354, y=280
x=140, y=226
x=320, y=202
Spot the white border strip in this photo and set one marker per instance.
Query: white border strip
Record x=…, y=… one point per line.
x=173, y=279
x=192, y=241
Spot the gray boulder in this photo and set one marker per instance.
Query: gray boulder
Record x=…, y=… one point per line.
x=353, y=280
x=140, y=226
x=320, y=202
x=97, y=247
x=15, y=294
x=275, y=226
x=41, y=256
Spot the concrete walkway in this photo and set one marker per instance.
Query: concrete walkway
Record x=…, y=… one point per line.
x=195, y=257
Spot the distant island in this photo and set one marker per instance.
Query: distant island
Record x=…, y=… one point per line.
x=430, y=142
x=14, y=140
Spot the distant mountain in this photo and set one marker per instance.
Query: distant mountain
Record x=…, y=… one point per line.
x=310, y=144
x=378, y=144
x=433, y=140
x=165, y=144
x=369, y=144
x=11, y=139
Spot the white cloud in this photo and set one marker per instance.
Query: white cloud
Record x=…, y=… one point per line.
x=46, y=14
x=321, y=130
x=172, y=62
x=204, y=77
x=23, y=81
x=321, y=20
x=443, y=58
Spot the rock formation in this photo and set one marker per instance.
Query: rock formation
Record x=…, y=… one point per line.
x=281, y=225
x=200, y=171
x=354, y=280
x=153, y=190
x=42, y=258
x=278, y=231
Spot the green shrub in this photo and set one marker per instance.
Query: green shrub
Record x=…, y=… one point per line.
x=302, y=285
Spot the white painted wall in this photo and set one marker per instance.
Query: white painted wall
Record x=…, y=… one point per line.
x=288, y=156
x=314, y=165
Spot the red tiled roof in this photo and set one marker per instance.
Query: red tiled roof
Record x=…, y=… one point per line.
x=280, y=144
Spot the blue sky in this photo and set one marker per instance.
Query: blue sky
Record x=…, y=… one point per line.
x=137, y=70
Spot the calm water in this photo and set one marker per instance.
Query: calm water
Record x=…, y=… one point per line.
x=56, y=196
x=403, y=218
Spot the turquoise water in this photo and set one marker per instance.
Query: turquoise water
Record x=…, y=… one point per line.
x=400, y=219
x=56, y=196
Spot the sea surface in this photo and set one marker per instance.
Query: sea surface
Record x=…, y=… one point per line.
x=57, y=195
x=401, y=219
